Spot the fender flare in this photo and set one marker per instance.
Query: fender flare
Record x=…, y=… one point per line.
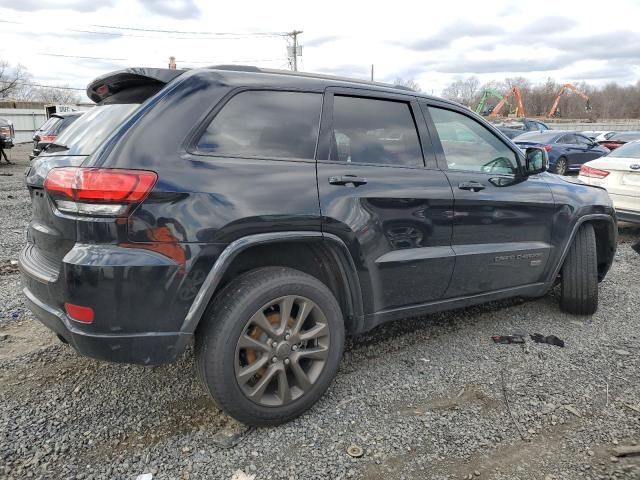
x=567, y=245
x=215, y=275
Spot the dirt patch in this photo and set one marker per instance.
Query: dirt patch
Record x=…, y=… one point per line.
x=18, y=339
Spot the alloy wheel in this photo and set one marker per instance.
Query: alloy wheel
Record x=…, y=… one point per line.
x=282, y=351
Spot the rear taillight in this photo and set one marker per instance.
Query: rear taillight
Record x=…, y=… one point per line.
x=98, y=191
x=591, y=172
x=48, y=138
x=546, y=147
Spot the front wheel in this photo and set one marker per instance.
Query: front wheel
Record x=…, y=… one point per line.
x=579, y=284
x=270, y=345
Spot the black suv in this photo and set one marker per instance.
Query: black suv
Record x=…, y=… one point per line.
x=265, y=214
x=49, y=131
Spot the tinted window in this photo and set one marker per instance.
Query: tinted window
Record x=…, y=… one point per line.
x=49, y=124
x=265, y=124
x=374, y=131
x=467, y=145
x=568, y=139
x=581, y=140
x=93, y=127
x=62, y=124
x=540, y=126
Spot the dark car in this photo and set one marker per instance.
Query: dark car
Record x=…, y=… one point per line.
x=49, y=131
x=567, y=150
x=514, y=127
x=266, y=214
x=619, y=139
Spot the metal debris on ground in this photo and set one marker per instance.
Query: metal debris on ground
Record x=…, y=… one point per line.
x=8, y=267
x=628, y=451
x=507, y=339
x=355, y=451
x=240, y=475
x=549, y=339
x=231, y=435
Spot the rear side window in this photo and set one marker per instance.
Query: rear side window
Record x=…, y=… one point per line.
x=49, y=124
x=368, y=130
x=265, y=124
x=62, y=124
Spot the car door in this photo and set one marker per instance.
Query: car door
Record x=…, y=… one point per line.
x=503, y=220
x=392, y=210
x=589, y=150
x=572, y=150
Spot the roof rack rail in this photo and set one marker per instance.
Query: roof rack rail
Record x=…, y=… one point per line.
x=252, y=68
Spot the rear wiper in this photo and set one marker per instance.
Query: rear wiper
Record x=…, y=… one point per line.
x=56, y=147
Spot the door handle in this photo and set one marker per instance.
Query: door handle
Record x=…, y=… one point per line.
x=346, y=179
x=473, y=186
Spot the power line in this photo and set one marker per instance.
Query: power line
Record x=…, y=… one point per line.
x=252, y=34
x=42, y=86
x=80, y=56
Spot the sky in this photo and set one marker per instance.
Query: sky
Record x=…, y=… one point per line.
x=433, y=43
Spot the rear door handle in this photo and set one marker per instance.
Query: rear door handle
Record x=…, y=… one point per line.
x=473, y=186
x=346, y=179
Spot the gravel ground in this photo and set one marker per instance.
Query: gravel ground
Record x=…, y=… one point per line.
x=429, y=398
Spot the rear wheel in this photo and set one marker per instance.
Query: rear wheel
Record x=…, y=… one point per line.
x=579, y=284
x=270, y=346
x=561, y=166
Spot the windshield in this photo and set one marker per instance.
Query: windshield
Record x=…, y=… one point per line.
x=628, y=150
x=48, y=124
x=626, y=136
x=537, y=137
x=85, y=134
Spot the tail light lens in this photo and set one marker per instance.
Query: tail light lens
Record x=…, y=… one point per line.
x=79, y=313
x=591, y=172
x=546, y=147
x=48, y=138
x=98, y=191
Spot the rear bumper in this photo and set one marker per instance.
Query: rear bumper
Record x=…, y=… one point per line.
x=628, y=216
x=149, y=348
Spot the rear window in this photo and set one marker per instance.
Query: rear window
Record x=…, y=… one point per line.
x=92, y=128
x=265, y=124
x=63, y=123
x=48, y=124
x=628, y=150
x=626, y=136
x=537, y=137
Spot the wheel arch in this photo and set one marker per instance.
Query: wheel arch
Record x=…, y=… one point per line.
x=606, y=232
x=325, y=257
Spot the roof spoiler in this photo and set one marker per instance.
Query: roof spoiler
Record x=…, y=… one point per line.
x=108, y=85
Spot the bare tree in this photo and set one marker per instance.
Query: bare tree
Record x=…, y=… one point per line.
x=12, y=79
x=463, y=91
x=56, y=94
x=408, y=82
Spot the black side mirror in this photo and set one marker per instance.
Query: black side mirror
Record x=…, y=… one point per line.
x=537, y=161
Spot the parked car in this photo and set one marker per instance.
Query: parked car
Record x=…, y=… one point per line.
x=618, y=139
x=49, y=131
x=7, y=138
x=513, y=127
x=567, y=150
x=266, y=214
x=619, y=173
x=598, y=135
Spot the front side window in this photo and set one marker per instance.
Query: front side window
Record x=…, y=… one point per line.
x=367, y=130
x=265, y=124
x=584, y=141
x=468, y=145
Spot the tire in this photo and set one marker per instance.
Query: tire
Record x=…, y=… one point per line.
x=264, y=386
x=561, y=166
x=579, y=282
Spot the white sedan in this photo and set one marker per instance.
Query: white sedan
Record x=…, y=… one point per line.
x=619, y=173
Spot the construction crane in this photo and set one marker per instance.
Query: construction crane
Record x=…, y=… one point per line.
x=565, y=87
x=486, y=93
x=515, y=91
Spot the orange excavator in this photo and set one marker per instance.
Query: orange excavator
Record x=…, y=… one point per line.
x=515, y=91
x=565, y=87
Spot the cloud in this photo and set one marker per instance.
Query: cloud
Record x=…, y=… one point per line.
x=548, y=25
x=453, y=32
x=76, y=5
x=316, y=42
x=347, y=70
x=504, y=65
x=181, y=9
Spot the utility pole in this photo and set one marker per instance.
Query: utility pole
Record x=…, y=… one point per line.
x=372, y=72
x=295, y=50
